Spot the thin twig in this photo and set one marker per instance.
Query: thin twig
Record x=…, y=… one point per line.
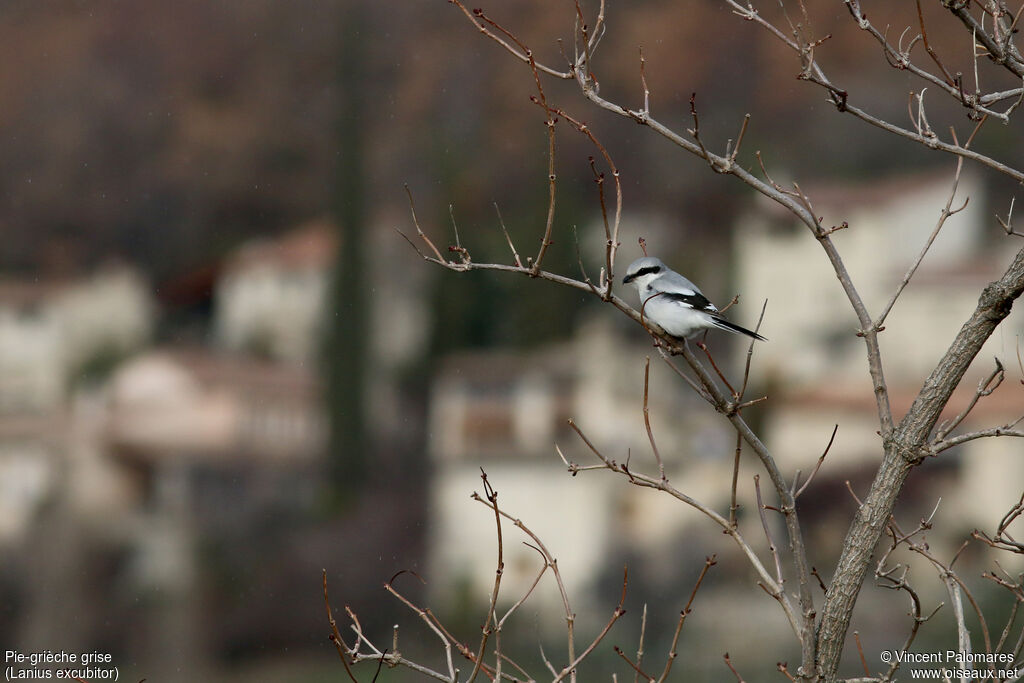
x=821, y=459
x=571, y=667
x=946, y=212
x=647, y=420
x=1005, y=430
x=1007, y=225
x=529, y=591
x=491, y=618
x=733, y=506
x=640, y=645
x=552, y=563
x=750, y=352
x=634, y=665
x=425, y=616
x=928, y=48
x=985, y=388
x=335, y=637
x=709, y=562
x=549, y=122
x=728, y=663
x=504, y=230
x=512, y=50
x=768, y=533
x=860, y=651
x=643, y=80
x=703, y=347
x=612, y=232
x=419, y=231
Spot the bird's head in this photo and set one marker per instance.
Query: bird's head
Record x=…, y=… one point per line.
x=643, y=271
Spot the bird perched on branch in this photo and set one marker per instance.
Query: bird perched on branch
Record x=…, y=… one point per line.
x=674, y=303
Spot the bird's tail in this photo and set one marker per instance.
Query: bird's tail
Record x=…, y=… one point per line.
x=724, y=324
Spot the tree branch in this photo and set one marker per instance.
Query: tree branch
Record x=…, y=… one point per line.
x=907, y=446
x=771, y=585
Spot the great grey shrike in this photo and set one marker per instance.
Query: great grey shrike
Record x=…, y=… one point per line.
x=674, y=303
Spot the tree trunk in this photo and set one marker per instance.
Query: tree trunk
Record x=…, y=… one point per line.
x=909, y=444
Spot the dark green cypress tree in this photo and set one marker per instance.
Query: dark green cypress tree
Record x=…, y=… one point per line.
x=347, y=345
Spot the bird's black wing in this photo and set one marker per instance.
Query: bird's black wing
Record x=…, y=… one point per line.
x=694, y=300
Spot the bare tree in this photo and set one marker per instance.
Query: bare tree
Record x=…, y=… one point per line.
x=820, y=629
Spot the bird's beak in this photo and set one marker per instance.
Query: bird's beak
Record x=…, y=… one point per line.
x=626, y=280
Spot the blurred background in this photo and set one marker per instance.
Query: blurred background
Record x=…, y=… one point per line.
x=223, y=370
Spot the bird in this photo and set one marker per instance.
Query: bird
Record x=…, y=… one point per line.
x=674, y=303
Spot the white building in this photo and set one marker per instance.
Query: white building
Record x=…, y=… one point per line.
x=51, y=332
x=270, y=298
x=198, y=406
x=105, y=317
x=31, y=349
